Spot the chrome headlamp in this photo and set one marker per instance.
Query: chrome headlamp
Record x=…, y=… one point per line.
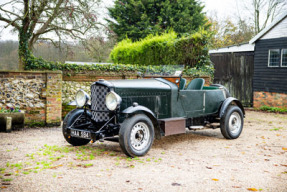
x=82, y=98
x=113, y=101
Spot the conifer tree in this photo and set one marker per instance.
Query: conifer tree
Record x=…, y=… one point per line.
x=136, y=19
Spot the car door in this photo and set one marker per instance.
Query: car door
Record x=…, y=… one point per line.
x=192, y=102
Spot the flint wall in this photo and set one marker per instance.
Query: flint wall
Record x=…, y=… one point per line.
x=37, y=93
x=44, y=95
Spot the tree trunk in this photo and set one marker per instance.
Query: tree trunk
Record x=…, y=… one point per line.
x=24, y=36
x=23, y=50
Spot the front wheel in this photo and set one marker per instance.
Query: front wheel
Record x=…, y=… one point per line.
x=71, y=117
x=231, y=124
x=136, y=135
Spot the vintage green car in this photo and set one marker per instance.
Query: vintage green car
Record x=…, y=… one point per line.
x=134, y=112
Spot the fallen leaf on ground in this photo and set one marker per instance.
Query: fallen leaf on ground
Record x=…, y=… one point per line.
x=284, y=148
x=208, y=167
x=6, y=183
x=215, y=179
x=176, y=184
x=7, y=174
x=284, y=165
x=3, y=187
x=54, y=167
x=236, y=187
x=252, y=189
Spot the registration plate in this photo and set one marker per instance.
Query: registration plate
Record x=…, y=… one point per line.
x=81, y=134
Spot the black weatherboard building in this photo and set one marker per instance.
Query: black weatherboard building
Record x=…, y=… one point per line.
x=270, y=61
x=270, y=64
x=256, y=73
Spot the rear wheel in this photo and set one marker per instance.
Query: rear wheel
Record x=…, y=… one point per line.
x=231, y=124
x=68, y=121
x=136, y=135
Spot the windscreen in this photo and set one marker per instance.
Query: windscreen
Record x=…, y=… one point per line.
x=164, y=70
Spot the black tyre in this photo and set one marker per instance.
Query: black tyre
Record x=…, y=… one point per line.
x=231, y=124
x=136, y=135
x=68, y=121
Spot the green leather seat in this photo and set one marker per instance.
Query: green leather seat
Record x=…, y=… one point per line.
x=182, y=83
x=196, y=84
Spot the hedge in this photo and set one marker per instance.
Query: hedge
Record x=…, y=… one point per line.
x=165, y=49
x=148, y=54
x=41, y=64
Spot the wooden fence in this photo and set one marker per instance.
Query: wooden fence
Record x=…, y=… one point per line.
x=235, y=72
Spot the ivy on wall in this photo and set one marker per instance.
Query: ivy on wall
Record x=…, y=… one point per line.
x=41, y=64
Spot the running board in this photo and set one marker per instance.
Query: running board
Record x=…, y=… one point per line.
x=209, y=126
x=196, y=127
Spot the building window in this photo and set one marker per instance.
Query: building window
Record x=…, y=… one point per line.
x=284, y=58
x=274, y=58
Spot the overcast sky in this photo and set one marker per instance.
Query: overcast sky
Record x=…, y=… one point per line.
x=222, y=8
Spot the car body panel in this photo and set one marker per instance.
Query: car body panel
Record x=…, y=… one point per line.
x=151, y=93
x=164, y=99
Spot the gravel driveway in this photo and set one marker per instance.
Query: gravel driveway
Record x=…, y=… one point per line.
x=41, y=160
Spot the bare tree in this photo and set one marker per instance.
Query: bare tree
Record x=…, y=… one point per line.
x=264, y=11
x=228, y=32
x=43, y=19
x=99, y=47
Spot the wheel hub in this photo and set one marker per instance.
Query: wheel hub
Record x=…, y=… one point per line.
x=139, y=136
x=235, y=123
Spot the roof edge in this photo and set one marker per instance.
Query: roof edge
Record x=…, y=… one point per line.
x=233, y=49
x=268, y=28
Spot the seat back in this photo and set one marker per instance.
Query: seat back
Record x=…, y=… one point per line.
x=182, y=83
x=196, y=84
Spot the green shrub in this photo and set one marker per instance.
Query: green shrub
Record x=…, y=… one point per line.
x=165, y=49
x=273, y=109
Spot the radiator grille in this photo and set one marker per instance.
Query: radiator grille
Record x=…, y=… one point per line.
x=99, y=110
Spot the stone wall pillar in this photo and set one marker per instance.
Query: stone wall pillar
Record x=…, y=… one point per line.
x=54, y=98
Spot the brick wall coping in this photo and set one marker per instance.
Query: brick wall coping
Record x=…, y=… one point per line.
x=17, y=71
